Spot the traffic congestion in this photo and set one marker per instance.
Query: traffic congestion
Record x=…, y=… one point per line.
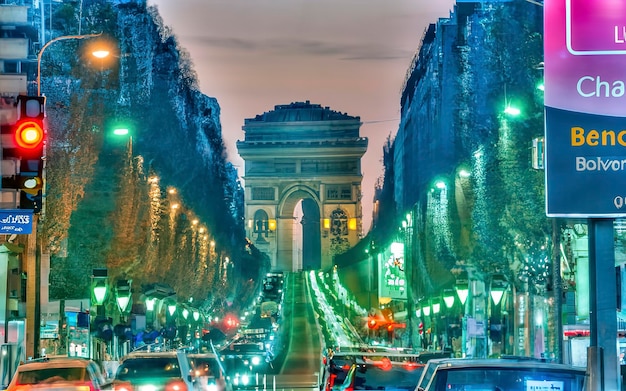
x=272, y=357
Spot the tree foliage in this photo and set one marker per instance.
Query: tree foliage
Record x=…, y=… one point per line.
x=161, y=206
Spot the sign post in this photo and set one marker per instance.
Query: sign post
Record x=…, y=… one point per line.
x=585, y=111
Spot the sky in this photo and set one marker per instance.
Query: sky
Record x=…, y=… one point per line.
x=349, y=55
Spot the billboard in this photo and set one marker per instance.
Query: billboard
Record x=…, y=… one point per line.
x=585, y=96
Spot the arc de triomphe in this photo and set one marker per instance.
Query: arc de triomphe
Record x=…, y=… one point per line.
x=302, y=152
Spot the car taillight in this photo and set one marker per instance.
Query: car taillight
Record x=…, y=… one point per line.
x=176, y=385
x=123, y=387
x=411, y=366
x=85, y=386
x=331, y=382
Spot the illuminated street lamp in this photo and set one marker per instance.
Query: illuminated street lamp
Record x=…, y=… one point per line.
x=100, y=292
x=448, y=298
x=462, y=290
x=123, y=295
x=150, y=303
x=171, y=308
x=99, y=53
x=498, y=287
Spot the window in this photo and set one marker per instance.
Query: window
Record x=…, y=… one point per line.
x=339, y=192
x=263, y=193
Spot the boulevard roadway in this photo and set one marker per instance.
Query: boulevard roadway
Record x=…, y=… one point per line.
x=298, y=366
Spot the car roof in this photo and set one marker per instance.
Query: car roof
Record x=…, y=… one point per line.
x=202, y=355
x=505, y=362
x=392, y=355
x=143, y=354
x=55, y=363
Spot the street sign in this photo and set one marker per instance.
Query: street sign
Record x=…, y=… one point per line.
x=585, y=95
x=16, y=221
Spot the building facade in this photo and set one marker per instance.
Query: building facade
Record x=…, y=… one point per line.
x=304, y=157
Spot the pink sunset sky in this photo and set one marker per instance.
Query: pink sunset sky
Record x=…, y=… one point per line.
x=350, y=55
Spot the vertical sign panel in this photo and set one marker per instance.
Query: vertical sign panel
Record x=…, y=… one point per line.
x=585, y=107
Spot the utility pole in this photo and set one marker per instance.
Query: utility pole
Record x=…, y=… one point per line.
x=32, y=260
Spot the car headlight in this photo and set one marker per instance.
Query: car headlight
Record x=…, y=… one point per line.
x=245, y=380
x=256, y=360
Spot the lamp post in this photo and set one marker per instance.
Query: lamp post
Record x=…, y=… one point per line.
x=150, y=304
x=462, y=291
x=98, y=53
x=32, y=257
x=448, y=299
x=497, y=289
x=99, y=293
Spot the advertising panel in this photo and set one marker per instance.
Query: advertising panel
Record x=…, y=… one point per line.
x=585, y=96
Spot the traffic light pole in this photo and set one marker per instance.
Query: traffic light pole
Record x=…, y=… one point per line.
x=32, y=260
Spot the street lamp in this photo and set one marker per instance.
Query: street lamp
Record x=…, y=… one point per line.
x=498, y=287
x=171, y=308
x=99, y=292
x=123, y=295
x=97, y=53
x=150, y=304
x=448, y=298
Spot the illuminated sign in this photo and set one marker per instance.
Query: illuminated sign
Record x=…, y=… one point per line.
x=16, y=221
x=392, y=278
x=585, y=96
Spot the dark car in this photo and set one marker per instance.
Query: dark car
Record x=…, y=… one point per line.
x=505, y=374
x=209, y=373
x=155, y=371
x=380, y=373
x=338, y=365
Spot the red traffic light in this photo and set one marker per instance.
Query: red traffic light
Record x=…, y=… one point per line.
x=29, y=134
x=371, y=323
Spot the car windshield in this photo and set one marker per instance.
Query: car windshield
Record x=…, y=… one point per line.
x=339, y=367
x=509, y=379
x=206, y=366
x=393, y=377
x=155, y=367
x=49, y=375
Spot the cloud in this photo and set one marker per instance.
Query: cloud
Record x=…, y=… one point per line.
x=303, y=47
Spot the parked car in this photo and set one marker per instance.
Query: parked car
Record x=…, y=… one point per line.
x=154, y=371
x=65, y=374
x=504, y=374
x=209, y=372
x=381, y=373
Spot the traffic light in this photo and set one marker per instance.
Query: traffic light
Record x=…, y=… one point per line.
x=371, y=323
x=29, y=137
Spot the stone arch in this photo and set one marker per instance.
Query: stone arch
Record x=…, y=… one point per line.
x=302, y=152
x=287, y=203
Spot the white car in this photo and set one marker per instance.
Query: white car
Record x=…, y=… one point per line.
x=67, y=374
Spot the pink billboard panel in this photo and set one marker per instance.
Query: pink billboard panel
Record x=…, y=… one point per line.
x=585, y=56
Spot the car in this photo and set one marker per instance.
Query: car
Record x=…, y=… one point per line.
x=58, y=374
x=381, y=373
x=502, y=374
x=337, y=365
x=209, y=373
x=154, y=371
